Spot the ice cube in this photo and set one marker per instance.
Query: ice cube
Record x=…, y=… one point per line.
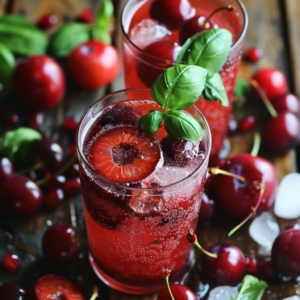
x=264, y=229
x=147, y=31
x=143, y=203
x=292, y=298
x=287, y=201
x=223, y=293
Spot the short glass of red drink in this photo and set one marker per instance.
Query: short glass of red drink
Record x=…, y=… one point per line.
x=151, y=43
x=138, y=206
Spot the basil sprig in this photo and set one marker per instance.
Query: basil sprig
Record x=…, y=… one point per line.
x=251, y=289
x=177, y=88
x=209, y=49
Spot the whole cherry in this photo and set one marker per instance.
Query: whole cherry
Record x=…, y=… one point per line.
x=272, y=81
x=47, y=21
x=20, y=196
x=58, y=288
x=285, y=253
x=86, y=16
x=207, y=210
x=39, y=82
x=254, y=54
x=286, y=102
x=172, y=13
x=267, y=271
x=11, y=262
x=155, y=58
x=235, y=197
x=66, y=249
x=252, y=266
x=99, y=62
x=281, y=133
x=228, y=268
x=12, y=291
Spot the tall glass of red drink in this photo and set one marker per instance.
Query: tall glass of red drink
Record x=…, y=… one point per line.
x=143, y=62
x=137, y=223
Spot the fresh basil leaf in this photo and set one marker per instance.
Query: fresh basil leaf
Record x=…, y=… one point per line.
x=208, y=49
x=179, y=87
x=16, y=143
x=251, y=288
x=241, y=88
x=215, y=90
x=101, y=35
x=7, y=63
x=151, y=121
x=104, y=15
x=180, y=125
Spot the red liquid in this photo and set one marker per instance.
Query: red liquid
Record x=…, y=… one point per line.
x=135, y=235
x=216, y=114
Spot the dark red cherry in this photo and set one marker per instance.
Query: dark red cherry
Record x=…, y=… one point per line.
x=54, y=198
x=285, y=253
x=154, y=59
x=56, y=183
x=207, y=210
x=47, y=21
x=12, y=119
x=254, y=54
x=293, y=226
x=120, y=114
x=286, y=103
x=60, y=244
x=47, y=151
x=11, y=262
x=20, y=196
x=6, y=168
x=172, y=13
x=252, y=266
x=70, y=123
x=12, y=291
x=36, y=120
x=228, y=268
x=178, y=152
x=72, y=150
x=267, y=271
x=272, y=81
x=248, y=123
x=179, y=292
x=281, y=133
x=86, y=16
x=236, y=198
x=72, y=187
x=73, y=171
x=194, y=26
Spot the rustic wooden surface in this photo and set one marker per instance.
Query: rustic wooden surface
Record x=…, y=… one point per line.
x=274, y=26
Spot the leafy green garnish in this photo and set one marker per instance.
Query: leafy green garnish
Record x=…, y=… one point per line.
x=104, y=14
x=209, y=49
x=251, y=288
x=16, y=143
x=177, y=88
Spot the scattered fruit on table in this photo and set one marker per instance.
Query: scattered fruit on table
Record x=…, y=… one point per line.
x=254, y=54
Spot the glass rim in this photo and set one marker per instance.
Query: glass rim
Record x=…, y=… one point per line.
x=239, y=40
x=149, y=189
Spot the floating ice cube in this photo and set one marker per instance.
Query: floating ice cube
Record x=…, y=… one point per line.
x=292, y=298
x=264, y=229
x=223, y=293
x=142, y=203
x=287, y=201
x=147, y=31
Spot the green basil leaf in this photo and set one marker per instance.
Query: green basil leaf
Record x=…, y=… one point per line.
x=208, y=49
x=251, y=288
x=14, y=19
x=180, y=125
x=241, y=88
x=16, y=143
x=104, y=15
x=215, y=90
x=151, y=121
x=101, y=35
x=67, y=38
x=7, y=63
x=179, y=87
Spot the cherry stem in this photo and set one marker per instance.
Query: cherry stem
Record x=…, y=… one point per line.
x=227, y=7
x=264, y=98
x=217, y=171
x=256, y=144
x=32, y=168
x=25, y=248
x=167, y=274
x=192, y=238
x=63, y=169
x=253, y=213
x=95, y=293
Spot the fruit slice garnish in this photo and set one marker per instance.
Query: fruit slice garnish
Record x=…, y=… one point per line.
x=56, y=287
x=125, y=154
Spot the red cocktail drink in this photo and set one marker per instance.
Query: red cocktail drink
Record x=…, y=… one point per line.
x=150, y=46
x=139, y=202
